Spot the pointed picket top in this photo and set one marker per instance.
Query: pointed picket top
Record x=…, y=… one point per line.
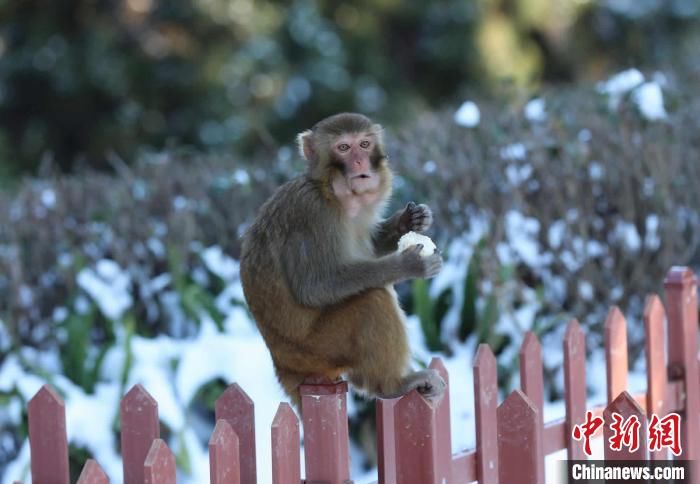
x=92, y=474
x=47, y=437
x=285, y=417
x=286, y=467
x=485, y=408
x=574, y=386
x=237, y=408
x=444, y=434
x=138, y=412
x=520, y=440
x=531, y=378
x=657, y=373
x=159, y=466
x=224, y=465
x=616, y=352
x=626, y=407
x=655, y=346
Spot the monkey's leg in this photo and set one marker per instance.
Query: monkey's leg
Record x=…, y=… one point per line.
x=367, y=332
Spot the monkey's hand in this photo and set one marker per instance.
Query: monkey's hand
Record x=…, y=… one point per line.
x=415, y=218
x=418, y=266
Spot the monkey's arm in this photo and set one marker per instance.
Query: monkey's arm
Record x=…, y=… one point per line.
x=317, y=278
x=415, y=217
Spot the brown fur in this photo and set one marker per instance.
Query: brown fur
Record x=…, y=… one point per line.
x=317, y=270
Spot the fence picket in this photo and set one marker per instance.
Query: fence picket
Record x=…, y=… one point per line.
x=386, y=442
x=626, y=406
x=531, y=378
x=48, y=441
x=224, y=463
x=324, y=413
x=657, y=379
x=92, y=474
x=485, y=409
x=682, y=309
x=416, y=440
x=159, y=466
x=520, y=445
x=574, y=389
x=286, y=466
x=444, y=434
x=615, y=353
x=236, y=407
x=139, y=427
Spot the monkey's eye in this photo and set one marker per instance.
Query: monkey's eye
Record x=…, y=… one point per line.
x=344, y=147
x=365, y=144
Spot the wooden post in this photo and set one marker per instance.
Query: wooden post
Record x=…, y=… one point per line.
x=416, y=440
x=286, y=466
x=485, y=409
x=386, y=442
x=224, y=462
x=236, y=407
x=625, y=406
x=139, y=427
x=159, y=466
x=48, y=441
x=92, y=474
x=657, y=379
x=325, y=417
x=682, y=307
x=616, y=353
x=574, y=386
x=520, y=446
x=444, y=435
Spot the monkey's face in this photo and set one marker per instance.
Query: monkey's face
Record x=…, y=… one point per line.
x=356, y=158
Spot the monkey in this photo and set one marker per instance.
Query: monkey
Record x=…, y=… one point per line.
x=318, y=264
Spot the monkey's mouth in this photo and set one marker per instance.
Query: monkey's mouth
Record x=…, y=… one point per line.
x=363, y=182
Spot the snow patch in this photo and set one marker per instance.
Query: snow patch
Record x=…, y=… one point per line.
x=650, y=101
x=468, y=115
x=109, y=286
x=535, y=110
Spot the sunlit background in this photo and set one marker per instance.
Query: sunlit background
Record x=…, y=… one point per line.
x=557, y=142
x=80, y=79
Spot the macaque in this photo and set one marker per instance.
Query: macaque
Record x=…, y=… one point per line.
x=319, y=263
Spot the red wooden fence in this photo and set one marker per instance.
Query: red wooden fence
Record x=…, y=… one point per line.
x=413, y=434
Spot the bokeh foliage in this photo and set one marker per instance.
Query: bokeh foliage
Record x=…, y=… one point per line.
x=80, y=79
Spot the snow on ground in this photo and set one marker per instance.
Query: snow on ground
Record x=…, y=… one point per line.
x=174, y=369
x=647, y=95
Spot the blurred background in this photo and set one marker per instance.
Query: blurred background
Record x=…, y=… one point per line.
x=557, y=141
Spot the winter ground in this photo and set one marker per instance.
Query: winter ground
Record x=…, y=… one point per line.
x=236, y=355
x=174, y=369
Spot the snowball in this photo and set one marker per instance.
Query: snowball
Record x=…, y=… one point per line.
x=467, y=115
x=412, y=238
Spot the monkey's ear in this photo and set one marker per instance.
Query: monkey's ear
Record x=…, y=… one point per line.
x=306, y=145
x=378, y=131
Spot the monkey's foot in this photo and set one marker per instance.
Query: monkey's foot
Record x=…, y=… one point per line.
x=430, y=384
